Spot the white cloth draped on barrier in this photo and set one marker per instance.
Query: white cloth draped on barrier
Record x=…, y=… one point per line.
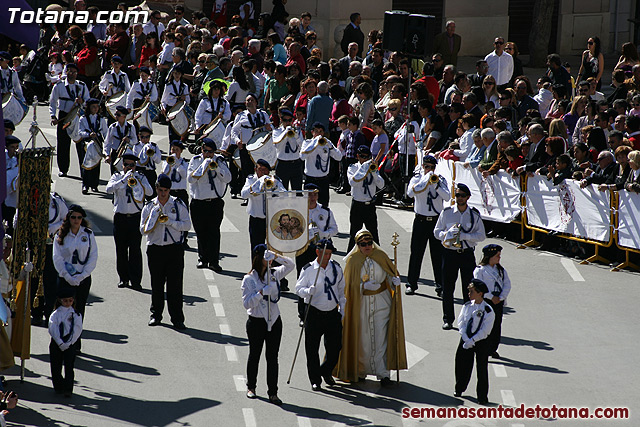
x=497, y=197
x=629, y=219
x=567, y=208
x=444, y=168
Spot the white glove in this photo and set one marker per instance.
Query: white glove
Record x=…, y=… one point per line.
x=468, y=344
x=315, y=230
x=454, y=229
x=396, y=281
x=371, y=286
x=269, y=290
x=269, y=256
x=28, y=267
x=313, y=289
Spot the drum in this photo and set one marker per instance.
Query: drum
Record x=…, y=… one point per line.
x=214, y=130
x=180, y=117
x=117, y=100
x=261, y=146
x=146, y=114
x=13, y=108
x=93, y=156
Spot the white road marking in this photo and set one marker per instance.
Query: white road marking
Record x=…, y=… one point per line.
x=232, y=356
x=403, y=218
x=304, y=422
x=499, y=371
x=341, y=214
x=508, y=399
x=228, y=227
x=249, y=417
x=517, y=425
x=572, y=270
x=225, y=329
x=414, y=354
x=208, y=274
x=213, y=291
x=219, y=309
x=240, y=382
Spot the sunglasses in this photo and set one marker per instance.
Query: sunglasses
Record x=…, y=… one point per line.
x=208, y=150
x=145, y=136
x=365, y=244
x=489, y=83
x=589, y=43
x=201, y=61
x=128, y=164
x=504, y=99
x=437, y=60
x=462, y=195
x=521, y=88
x=393, y=109
x=312, y=38
x=76, y=217
x=498, y=43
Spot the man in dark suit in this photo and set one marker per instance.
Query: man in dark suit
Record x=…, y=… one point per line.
x=352, y=55
x=606, y=164
x=481, y=71
x=448, y=44
x=353, y=33
x=538, y=155
x=470, y=102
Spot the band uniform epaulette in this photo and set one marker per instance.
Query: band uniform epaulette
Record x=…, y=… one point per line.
x=474, y=209
x=180, y=201
x=487, y=308
x=467, y=303
x=324, y=207
x=307, y=265
x=88, y=230
x=448, y=208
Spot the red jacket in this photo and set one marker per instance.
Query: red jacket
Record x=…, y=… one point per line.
x=432, y=86
x=85, y=57
x=299, y=60
x=635, y=140
x=117, y=45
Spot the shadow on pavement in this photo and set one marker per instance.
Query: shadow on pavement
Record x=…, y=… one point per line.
x=215, y=337
x=538, y=345
x=510, y=363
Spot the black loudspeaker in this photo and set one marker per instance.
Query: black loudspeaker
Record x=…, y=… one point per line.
x=395, y=22
x=419, y=35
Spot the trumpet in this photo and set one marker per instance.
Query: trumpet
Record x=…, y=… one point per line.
x=132, y=182
x=163, y=218
x=455, y=241
x=322, y=141
x=171, y=160
x=434, y=179
x=291, y=132
x=213, y=165
x=269, y=183
x=150, y=152
x=373, y=167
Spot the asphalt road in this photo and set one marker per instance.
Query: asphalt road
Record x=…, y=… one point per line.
x=569, y=339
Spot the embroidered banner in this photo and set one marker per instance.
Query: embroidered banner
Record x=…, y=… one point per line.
x=287, y=220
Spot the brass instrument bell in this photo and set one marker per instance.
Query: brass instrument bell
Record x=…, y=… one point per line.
x=322, y=141
x=213, y=165
x=269, y=183
x=132, y=182
x=291, y=133
x=171, y=160
x=434, y=179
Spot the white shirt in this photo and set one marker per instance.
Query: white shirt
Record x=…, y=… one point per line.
x=365, y=190
x=93, y=123
x=252, y=284
x=478, y=312
x=172, y=91
x=429, y=199
x=205, y=111
x=226, y=139
x=543, y=98
x=165, y=55
x=139, y=90
x=329, y=286
x=177, y=173
x=235, y=94
x=115, y=133
x=63, y=315
x=149, y=162
x=499, y=285
x=113, y=82
x=75, y=269
x=466, y=145
x=471, y=225
x=150, y=28
x=205, y=183
x=10, y=83
x=12, y=181
x=500, y=67
x=64, y=94
x=322, y=223
x=171, y=232
x=316, y=157
x=245, y=123
x=287, y=148
x=124, y=201
x=400, y=137
x=252, y=191
x=57, y=212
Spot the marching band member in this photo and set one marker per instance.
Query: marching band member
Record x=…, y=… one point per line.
x=113, y=81
x=288, y=140
x=373, y=334
x=430, y=192
x=254, y=191
x=207, y=203
x=121, y=137
x=175, y=167
x=212, y=107
x=323, y=292
x=260, y=296
x=228, y=147
x=174, y=91
x=142, y=90
x=163, y=221
x=364, y=180
x=65, y=95
x=316, y=154
x=491, y=272
x=244, y=126
x=129, y=189
x=6, y=286
x=150, y=155
x=9, y=79
x=93, y=130
x=75, y=255
x=474, y=324
x=10, y=203
x=459, y=228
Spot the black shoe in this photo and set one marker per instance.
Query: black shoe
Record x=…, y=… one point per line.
x=36, y=322
x=410, y=291
x=457, y=394
x=386, y=382
x=94, y=189
x=483, y=401
x=275, y=400
x=447, y=326
x=301, y=323
x=316, y=387
x=244, y=203
x=154, y=322
x=284, y=288
x=136, y=286
x=123, y=284
x=251, y=393
x=202, y=264
x=68, y=394
x=341, y=191
x=62, y=174
x=85, y=190
x=215, y=267
x=361, y=379
x=179, y=326
x=329, y=380
x=495, y=355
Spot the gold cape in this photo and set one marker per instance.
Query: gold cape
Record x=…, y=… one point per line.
x=347, y=367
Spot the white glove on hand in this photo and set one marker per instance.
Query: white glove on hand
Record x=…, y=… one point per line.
x=454, y=229
x=269, y=290
x=28, y=267
x=396, y=281
x=468, y=344
x=269, y=256
x=312, y=290
x=371, y=286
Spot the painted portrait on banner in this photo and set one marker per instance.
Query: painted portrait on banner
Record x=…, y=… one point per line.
x=287, y=221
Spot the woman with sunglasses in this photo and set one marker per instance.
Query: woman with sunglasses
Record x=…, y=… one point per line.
x=75, y=255
x=373, y=328
x=592, y=64
x=490, y=89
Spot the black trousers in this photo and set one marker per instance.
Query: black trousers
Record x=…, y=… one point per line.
x=91, y=177
x=259, y=335
x=301, y=260
x=257, y=231
x=58, y=359
x=206, y=216
x=290, y=173
x=464, y=367
x=493, y=340
x=421, y=234
x=323, y=185
x=246, y=164
x=166, y=265
x=237, y=178
x=362, y=214
x=344, y=181
x=152, y=177
x=452, y=262
x=64, y=145
x=8, y=213
x=319, y=324
x=50, y=285
x=126, y=233
x=172, y=134
x=82, y=294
